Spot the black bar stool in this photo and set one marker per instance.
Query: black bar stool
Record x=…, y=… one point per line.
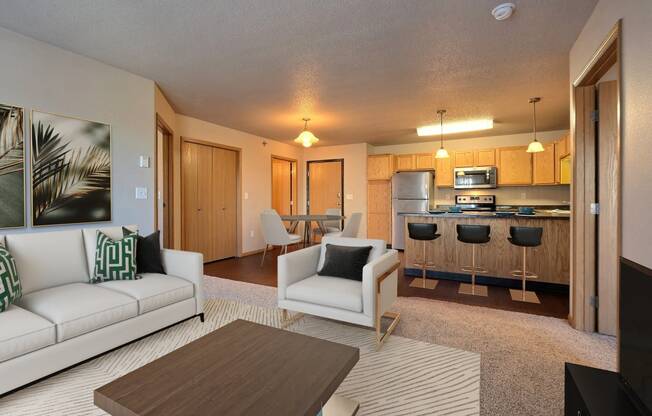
x=473, y=234
x=525, y=237
x=423, y=232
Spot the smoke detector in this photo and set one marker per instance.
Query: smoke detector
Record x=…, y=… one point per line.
x=503, y=11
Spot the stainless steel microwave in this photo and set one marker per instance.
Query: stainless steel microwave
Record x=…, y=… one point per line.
x=475, y=178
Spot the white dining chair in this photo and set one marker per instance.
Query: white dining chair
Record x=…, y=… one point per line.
x=351, y=227
x=274, y=232
x=333, y=226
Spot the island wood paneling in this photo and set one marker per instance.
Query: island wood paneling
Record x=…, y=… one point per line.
x=551, y=260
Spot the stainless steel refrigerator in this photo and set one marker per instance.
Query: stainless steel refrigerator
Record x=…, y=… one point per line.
x=412, y=192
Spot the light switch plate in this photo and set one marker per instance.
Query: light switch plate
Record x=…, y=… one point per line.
x=349, y=197
x=141, y=193
x=143, y=162
x=246, y=195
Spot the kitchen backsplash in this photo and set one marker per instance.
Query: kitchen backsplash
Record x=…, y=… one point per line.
x=511, y=195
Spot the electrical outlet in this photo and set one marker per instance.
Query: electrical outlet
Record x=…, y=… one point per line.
x=143, y=162
x=349, y=197
x=141, y=193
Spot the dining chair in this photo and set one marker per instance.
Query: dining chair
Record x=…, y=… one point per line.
x=333, y=226
x=274, y=232
x=351, y=227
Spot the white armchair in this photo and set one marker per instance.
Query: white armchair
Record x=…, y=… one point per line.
x=301, y=289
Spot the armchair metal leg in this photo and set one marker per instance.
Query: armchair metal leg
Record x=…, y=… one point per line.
x=262, y=261
x=380, y=337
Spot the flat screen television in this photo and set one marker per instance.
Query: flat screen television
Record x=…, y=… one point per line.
x=636, y=331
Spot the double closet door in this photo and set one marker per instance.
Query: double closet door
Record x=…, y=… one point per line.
x=209, y=192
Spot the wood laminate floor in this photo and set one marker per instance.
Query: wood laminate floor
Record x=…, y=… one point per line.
x=248, y=269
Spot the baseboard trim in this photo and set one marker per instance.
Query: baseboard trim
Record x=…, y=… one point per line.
x=251, y=253
x=491, y=280
x=31, y=383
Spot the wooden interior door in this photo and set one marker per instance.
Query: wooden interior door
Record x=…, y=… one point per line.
x=166, y=192
x=224, y=239
x=205, y=209
x=190, y=197
x=607, y=180
x=283, y=186
x=325, y=186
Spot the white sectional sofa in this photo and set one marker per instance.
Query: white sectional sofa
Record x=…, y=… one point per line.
x=61, y=319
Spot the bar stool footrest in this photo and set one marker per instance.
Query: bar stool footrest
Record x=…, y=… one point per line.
x=476, y=269
x=528, y=275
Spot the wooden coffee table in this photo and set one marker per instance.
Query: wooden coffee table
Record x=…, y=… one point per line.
x=242, y=368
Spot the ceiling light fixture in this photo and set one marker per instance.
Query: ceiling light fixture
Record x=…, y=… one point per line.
x=503, y=11
x=306, y=138
x=535, y=146
x=456, y=127
x=441, y=153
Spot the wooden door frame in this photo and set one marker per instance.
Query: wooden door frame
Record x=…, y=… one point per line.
x=294, y=182
x=583, y=284
x=238, y=209
x=169, y=136
x=308, y=181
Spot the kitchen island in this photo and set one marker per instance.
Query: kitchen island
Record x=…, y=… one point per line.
x=550, y=261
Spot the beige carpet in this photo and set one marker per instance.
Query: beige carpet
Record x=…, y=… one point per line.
x=522, y=355
x=406, y=377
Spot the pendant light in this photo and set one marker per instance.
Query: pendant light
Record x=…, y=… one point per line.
x=441, y=153
x=306, y=138
x=535, y=146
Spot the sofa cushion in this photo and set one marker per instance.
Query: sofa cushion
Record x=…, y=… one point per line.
x=79, y=308
x=115, y=260
x=379, y=247
x=90, y=241
x=49, y=259
x=2, y=240
x=10, y=289
x=153, y=291
x=22, y=331
x=148, y=252
x=328, y=291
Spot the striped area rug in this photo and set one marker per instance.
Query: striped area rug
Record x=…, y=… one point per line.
x=406, y=377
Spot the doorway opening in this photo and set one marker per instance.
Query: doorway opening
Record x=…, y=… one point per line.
x=595, y=191
x=325, y=188
x=164, y=215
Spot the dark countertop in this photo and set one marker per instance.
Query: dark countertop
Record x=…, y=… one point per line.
x=492, y=215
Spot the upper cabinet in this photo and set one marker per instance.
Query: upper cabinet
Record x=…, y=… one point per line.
x=514, y=166
x=563, y=147
x=484, y=157
x=379, y=167
x=463, y=158
x=424, y=161
x=545, y=166
x=443, y=172
x=405, y=162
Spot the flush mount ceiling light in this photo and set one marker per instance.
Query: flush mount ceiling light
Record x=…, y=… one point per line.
x=306, y=138
x=503, y=11
x=535, y=146
x=456, y=127
x=441, y=153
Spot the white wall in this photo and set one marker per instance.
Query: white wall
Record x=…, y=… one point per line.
x=636, y=116
x=355, y=176
x=256, y=169
x=506, y=195
x=39, y=76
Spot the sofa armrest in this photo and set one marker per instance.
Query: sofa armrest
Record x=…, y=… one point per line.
x=189, y=266
x=296, y=266
x=389, y=286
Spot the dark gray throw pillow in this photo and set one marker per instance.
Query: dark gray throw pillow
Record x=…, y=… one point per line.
x=148, y=252
x=345, y=261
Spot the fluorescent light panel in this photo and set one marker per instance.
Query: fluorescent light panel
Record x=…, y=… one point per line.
x=456, y=127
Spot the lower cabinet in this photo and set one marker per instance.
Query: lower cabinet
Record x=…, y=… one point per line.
x=379, y=210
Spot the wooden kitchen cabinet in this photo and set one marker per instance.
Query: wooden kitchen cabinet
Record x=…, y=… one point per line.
x=443, y=172
x=424, y=161
x=544, y=166
x=484, y=157
x=463, y=159
x=514, y=166
x=563, y=147
x=405, y=162
x=379, y=210
x=380, y=167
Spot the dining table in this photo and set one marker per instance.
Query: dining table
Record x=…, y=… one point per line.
x=308, y=219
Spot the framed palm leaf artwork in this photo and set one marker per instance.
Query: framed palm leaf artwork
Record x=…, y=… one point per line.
x=71, y=170
x=12, y=167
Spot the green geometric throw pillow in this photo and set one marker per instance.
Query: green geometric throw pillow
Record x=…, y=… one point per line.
x=10, y=289
x=115, y=260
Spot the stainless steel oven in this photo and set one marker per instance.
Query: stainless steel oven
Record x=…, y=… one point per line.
x=475, y=178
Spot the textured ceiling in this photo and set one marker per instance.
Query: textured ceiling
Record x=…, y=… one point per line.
x=363, y=70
